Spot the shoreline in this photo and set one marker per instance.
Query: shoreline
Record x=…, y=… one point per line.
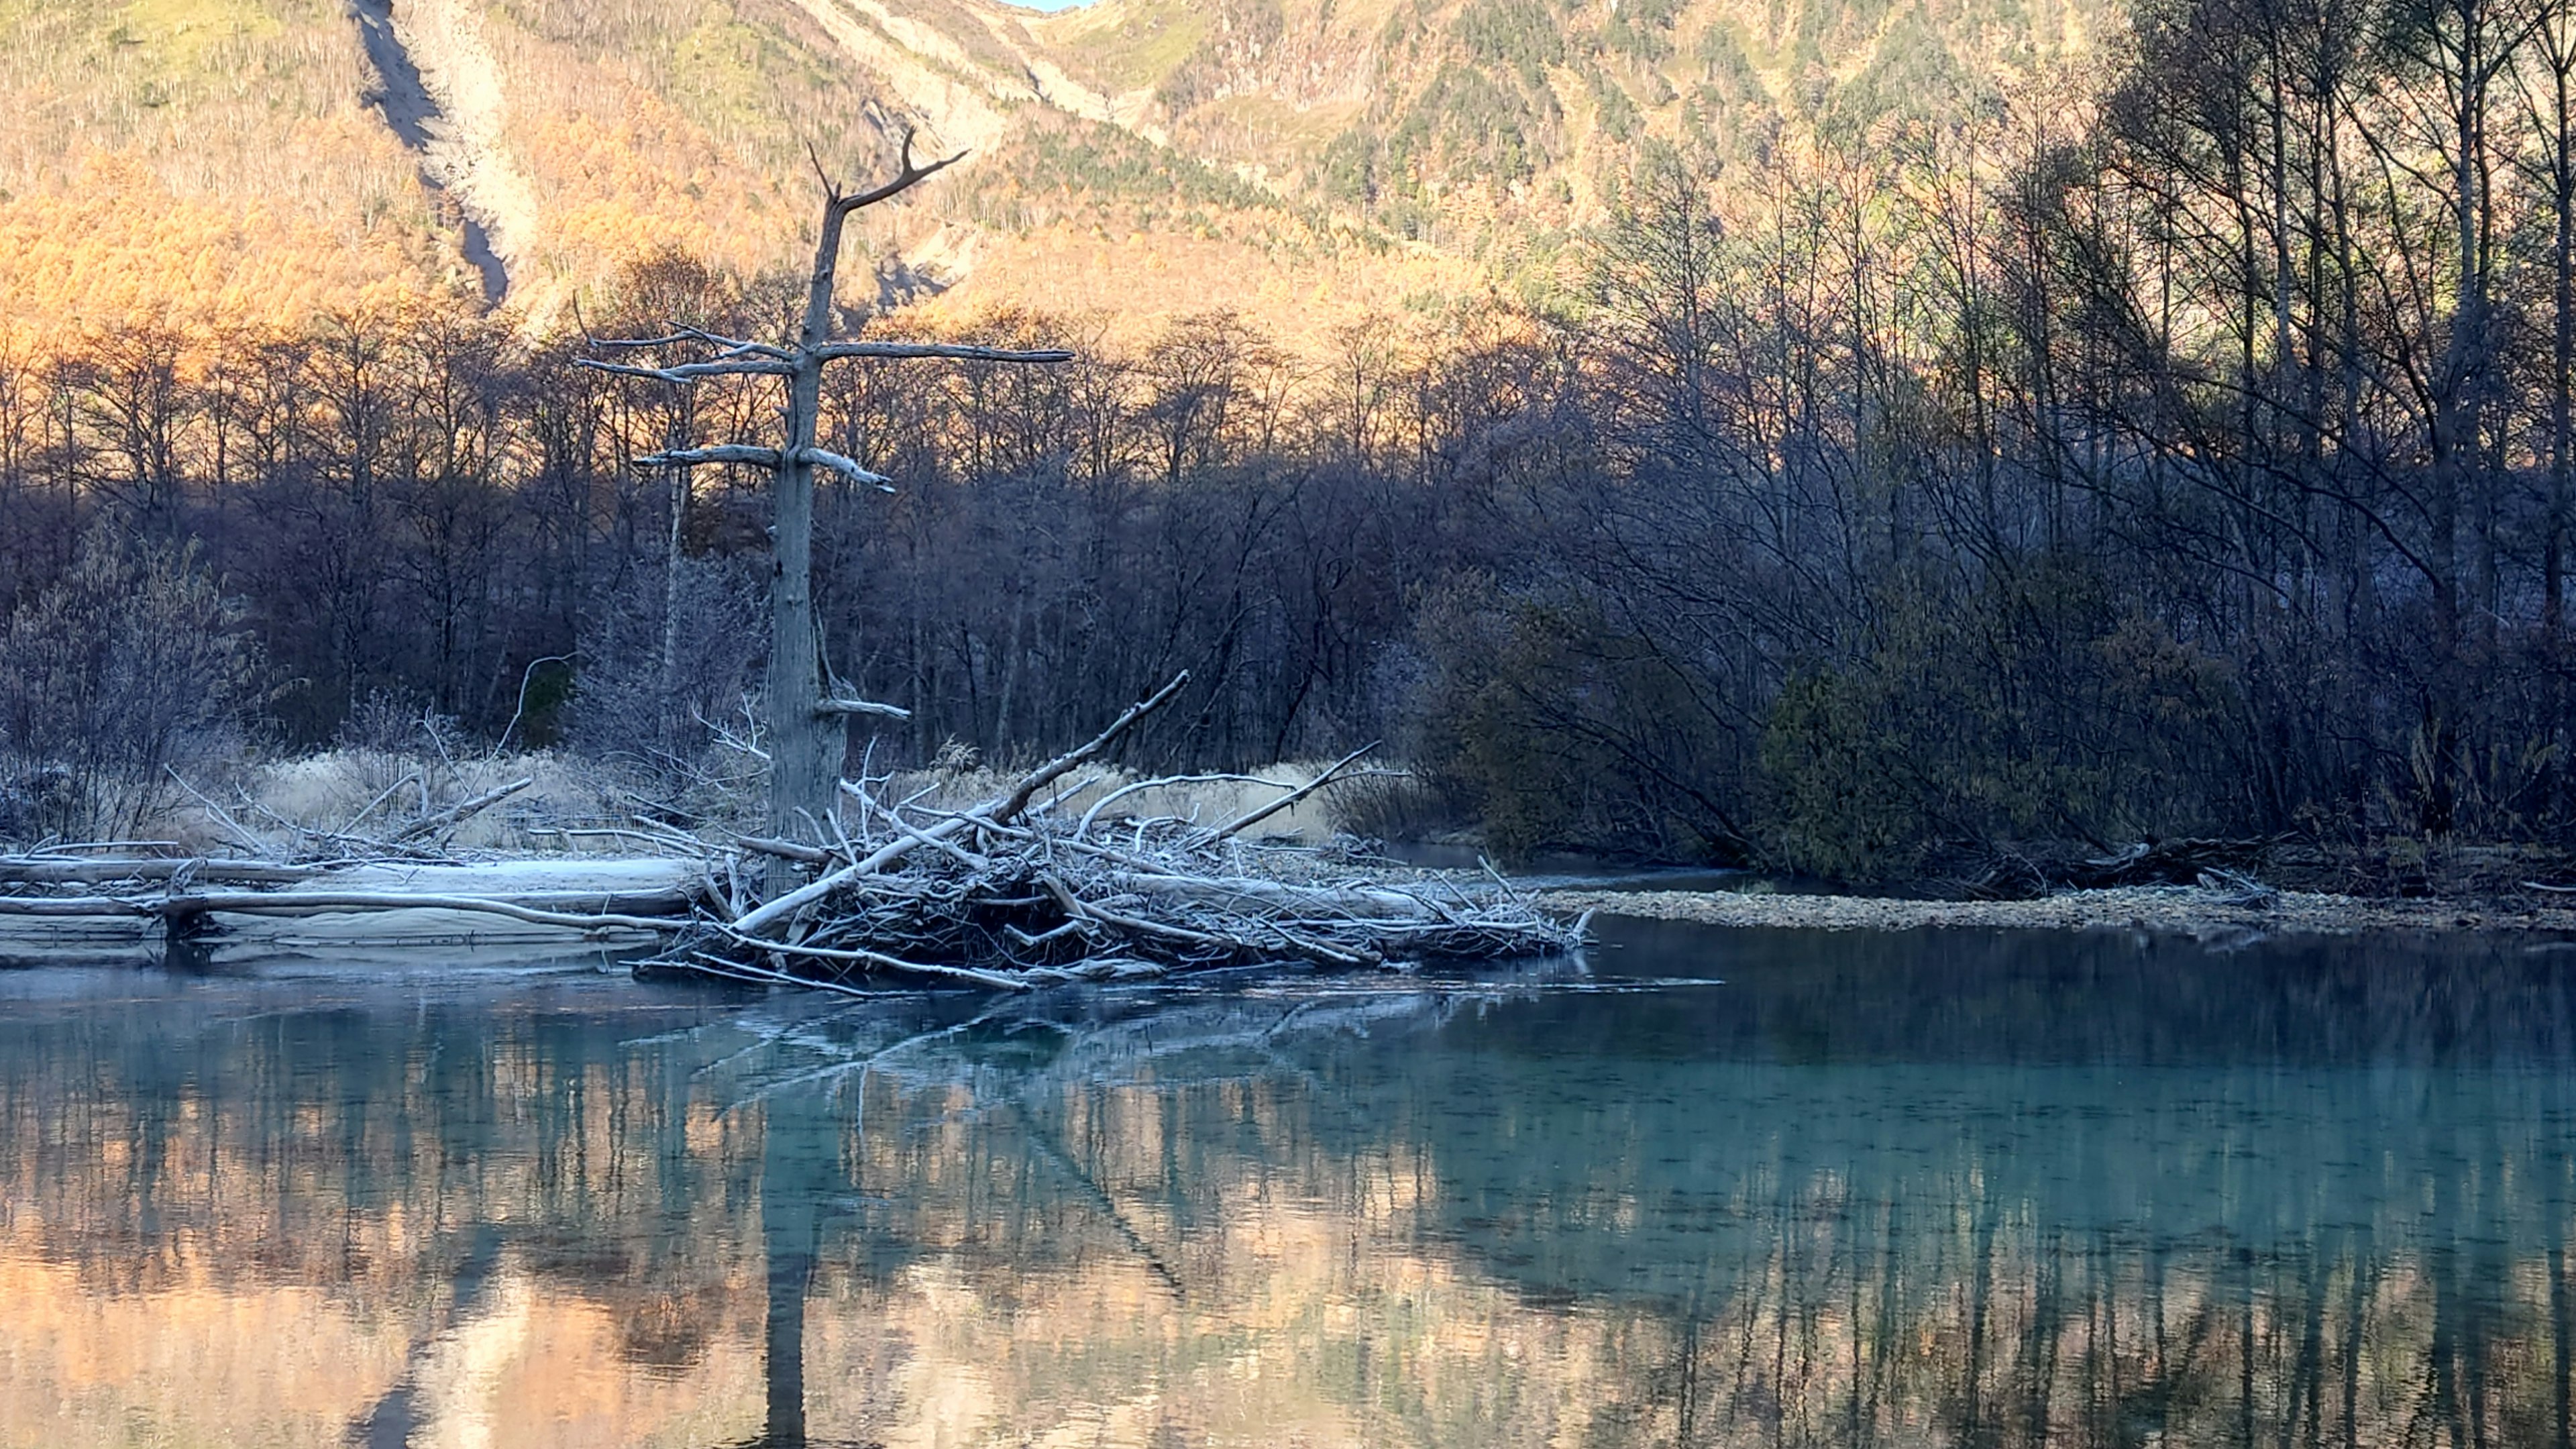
x=2182, y=910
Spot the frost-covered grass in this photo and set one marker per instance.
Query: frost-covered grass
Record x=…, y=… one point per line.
x=1210, y=802
x=372, y=793
x=369, y=792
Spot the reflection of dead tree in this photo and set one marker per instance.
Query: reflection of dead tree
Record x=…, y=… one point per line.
x=803, y=723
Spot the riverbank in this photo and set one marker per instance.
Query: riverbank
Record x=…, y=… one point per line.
x=2185, y=910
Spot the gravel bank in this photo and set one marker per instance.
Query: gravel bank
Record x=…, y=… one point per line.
x=2183, y=909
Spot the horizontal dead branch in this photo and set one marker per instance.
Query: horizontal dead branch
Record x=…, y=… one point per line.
x=878, y=960
x=1358, y=902
x=862, y=706
x=23, y=870
x=847, y=468
x=314, y=903
x=921, y=351
x=785, y=849
x=714, y=453
x=616, y=912
x=688, y=373
x=720, y=342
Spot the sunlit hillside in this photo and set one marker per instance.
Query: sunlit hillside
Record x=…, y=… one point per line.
x=1304, y=161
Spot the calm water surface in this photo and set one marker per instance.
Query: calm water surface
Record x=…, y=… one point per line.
x=1719, y=1188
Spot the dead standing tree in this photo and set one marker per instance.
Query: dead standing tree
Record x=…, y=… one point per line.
x=804, y=720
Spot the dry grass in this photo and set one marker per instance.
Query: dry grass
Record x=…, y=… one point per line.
x=372, y=793
x=367, y=792
x=1210, y=802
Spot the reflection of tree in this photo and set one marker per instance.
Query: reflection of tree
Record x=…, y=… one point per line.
x=1825, y=1276
x=1359, y=1216
x=797, y=1164
x=350, y=1186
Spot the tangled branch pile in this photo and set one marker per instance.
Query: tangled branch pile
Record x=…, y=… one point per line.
x=1020, y=891
x=1015, y=892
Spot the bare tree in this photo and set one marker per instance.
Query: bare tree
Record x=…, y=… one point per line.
x=803, y=720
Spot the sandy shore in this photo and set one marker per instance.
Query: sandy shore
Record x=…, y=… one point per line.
x=2183, y=909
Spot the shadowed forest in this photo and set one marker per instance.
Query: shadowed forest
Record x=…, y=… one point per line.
x=2190, y=457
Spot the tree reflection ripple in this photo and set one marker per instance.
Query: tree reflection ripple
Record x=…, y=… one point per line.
x=1715, y=1188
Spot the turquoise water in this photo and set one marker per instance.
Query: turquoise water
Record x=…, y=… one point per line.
x=1704, y=1188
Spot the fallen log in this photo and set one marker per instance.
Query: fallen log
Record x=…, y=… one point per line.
x=459, y=813
x=35, y=870
x=622, y=913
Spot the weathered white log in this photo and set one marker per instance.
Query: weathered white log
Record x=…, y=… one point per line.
x=460, y=812
x=315, y=903
x=68, y=906
x=883, y=962
x=1358, y=902
x=23, y=870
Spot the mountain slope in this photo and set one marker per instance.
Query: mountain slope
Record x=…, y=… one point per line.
x=1307, y=161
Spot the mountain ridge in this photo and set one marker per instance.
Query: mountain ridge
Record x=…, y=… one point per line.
x=1305, y=161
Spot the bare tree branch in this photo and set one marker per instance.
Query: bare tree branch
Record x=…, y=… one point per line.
x=954, y=352
x=714, y=453
x=847, y=468
x=687, y=373
x=907, y=176
x=862, y=706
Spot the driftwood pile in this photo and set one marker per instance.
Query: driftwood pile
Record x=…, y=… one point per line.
x=1025, y=889
x=1021, y=890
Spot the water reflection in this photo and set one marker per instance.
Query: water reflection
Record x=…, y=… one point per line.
x=1924, y=1189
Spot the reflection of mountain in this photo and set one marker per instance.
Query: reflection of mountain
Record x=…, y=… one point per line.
x=1942, y=1190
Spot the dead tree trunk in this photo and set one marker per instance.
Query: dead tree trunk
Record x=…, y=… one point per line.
x=803, y=724
x=801, y=767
